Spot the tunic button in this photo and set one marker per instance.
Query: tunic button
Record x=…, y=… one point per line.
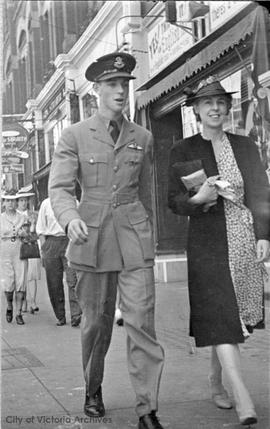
x=114, y=205
x=114, y=187
x=91, y=160
x=115, y=168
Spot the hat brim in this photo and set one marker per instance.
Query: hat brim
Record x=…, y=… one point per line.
x=25, y=195
x=91, y=75
x=9, y=197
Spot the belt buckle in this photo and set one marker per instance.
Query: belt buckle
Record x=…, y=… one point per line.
x=13, y=239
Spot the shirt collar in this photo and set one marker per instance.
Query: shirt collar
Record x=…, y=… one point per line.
x=106, y=121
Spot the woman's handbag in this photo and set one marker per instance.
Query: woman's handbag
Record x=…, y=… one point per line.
x=29, y=250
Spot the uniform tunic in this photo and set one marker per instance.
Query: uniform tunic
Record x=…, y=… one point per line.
x=214, y=310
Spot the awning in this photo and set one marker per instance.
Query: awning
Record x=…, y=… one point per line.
x=42, y=172
x=206, y=51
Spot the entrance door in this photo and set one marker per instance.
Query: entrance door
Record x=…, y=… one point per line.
x=171, y=231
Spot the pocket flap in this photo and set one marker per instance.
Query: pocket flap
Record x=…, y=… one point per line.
x=138, y=215
x=94, y=158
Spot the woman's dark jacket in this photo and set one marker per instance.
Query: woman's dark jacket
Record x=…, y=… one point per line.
x=214, y=312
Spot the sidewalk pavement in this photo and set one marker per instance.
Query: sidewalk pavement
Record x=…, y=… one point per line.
x=42, y=380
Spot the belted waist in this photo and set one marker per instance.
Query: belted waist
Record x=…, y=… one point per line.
x=10, y=239
x=116, y=199
x=56, y=237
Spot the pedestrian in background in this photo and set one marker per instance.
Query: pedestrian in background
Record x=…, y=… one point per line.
x=33, y=264
x=13, y=269
x=111, y=235
x=54, y=242
x=228, y=238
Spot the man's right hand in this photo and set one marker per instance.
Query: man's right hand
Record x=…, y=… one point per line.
x=77, y=231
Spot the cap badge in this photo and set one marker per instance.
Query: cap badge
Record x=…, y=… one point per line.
x=119, y=63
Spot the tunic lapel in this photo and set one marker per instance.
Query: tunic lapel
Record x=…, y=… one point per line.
x=99, y=130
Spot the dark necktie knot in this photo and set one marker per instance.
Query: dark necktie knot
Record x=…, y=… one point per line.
x=114, y=130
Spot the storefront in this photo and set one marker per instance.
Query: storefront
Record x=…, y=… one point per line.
x=236, y=38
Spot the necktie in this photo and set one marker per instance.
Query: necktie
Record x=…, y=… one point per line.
x=114, y=130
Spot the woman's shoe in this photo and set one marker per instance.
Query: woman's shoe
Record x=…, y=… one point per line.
x=31, y=310
x=9, y=315
x=220, y=396
x=19, y=319
x=250, y=418
x=36, y=308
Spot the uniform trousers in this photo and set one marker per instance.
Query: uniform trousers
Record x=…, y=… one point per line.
x=55, y=264
x=96, y=293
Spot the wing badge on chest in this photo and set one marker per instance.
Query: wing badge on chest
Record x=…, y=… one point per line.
x=134, y=146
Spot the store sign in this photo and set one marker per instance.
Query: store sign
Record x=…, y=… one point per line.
x=14, y=136
x=17, y=153
x=166, y=42
x=11, y=160
x=53, y=104
x=13, y=168
x=222, y=11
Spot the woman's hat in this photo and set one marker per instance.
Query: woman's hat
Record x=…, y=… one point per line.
x=116, y=64
x=9, y=195
x=206, y=88
x=25, y=192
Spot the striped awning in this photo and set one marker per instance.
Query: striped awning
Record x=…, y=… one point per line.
x=201, y=55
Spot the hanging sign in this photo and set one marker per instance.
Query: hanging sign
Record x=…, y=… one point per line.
x=13, y=168
x=166, y=42
x=14, y=136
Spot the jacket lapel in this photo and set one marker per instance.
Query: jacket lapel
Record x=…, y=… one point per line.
x=99, y=130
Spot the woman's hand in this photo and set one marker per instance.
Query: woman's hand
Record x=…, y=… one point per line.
x=263, y=250
x=207, y=195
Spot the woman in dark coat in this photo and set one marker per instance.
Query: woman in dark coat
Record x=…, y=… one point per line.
x=228, y=238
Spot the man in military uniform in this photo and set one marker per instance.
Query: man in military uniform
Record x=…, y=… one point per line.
x=111, y=241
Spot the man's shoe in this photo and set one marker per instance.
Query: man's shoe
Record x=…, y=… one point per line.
x=75, y=321
x=9, y=315
x=94, y=406
x=149, y=421
x=19, y=319
x=61, y=322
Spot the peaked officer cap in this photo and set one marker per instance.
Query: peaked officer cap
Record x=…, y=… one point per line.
x=116, y=64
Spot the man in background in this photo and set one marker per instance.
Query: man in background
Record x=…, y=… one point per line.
x=53, y=248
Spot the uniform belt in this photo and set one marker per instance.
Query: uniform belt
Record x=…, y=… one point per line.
x=115, y=199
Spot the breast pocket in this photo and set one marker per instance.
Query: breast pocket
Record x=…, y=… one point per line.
x=94, y=167
x=133, y=162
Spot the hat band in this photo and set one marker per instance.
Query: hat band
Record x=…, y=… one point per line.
x=112, y=71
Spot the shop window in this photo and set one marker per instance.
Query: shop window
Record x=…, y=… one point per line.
x=89, y=104
x=51, y=143
x=41, y=150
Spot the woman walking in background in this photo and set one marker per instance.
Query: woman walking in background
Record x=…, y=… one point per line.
x=217, y=179
x=13, y=269
x=34, y=264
